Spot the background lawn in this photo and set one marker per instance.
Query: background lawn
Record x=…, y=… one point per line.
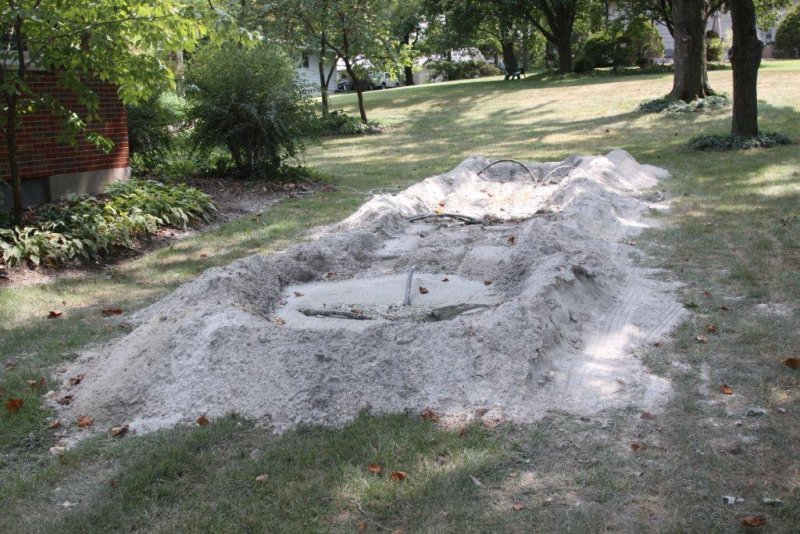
x=732, y=237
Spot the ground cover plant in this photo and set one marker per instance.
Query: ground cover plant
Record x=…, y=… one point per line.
x=731, y=238
x=85, y=227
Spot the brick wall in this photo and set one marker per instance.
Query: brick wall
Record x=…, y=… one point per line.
x=41, y=155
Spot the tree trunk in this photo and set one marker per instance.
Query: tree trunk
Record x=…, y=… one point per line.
x=745, y=59
x=323, y=82
x=409, y=74
x=408, y=71
x=690, y=50
x=564, y=47
x=509, y=56
x=359, y=90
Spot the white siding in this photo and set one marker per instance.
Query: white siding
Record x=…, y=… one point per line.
x=310, y=74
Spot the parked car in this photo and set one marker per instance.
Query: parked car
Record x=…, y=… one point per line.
x=382, y=80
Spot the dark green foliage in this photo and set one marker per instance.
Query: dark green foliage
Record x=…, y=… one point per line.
x=670, y=105
x=488, y=69
x=340, y=123
x=84, y=227
x=640, y=43
x=715, y=46
x=597, y=51
x=249, y=102
x=150, y=128
x=454, y=70
x=582, y=65
x=718, y=143
x=787, y=38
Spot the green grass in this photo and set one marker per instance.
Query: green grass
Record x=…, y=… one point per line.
x=732, y=238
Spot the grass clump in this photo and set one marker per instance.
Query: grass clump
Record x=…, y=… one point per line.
x=672, y=105
x=340, y=123
x=723, y=142
x=84, y=227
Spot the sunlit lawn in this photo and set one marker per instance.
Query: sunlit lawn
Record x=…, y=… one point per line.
x=733, y=238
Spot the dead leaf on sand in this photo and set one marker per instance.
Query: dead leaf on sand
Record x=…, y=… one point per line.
x=203, y=420
x=793, y=363
x=118, y=431
x=85, y=421
x=423, y=290
x=429, y=414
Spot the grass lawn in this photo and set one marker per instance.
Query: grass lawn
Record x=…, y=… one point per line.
x=732, y=238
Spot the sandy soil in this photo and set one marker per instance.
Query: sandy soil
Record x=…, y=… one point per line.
x=542, y=309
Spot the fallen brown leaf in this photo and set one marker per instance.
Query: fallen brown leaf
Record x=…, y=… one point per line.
x=65, y=400
x=517, y=506
x=636, y=446
x=375, y=469
x=445, y=279
x=487, y=282
x=13, y=405
x=701, y=339
x=647, y=415
x=54, y=314
x=330, y=275
x=262, y=478
x=711, y=328
x=707, y=293
x=480, y=412
x=118, y=431
x=512, y=240
x=33, y=384
x=203, y=420
x=754, y=521
x=429, y=414
x=794, y=363
x=441, y=460
x=55, y=423
x=441, y=203
x=724, y=308
x=108, y=312
x=726, y=389
x=397, y=476
x=361, y=526
x=85, y=421
x=75, y=380
x=476, y=481
x=298, y=294
x=423, y=290
x=657, y=344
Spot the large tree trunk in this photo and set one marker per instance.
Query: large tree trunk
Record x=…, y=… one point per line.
x=408, y=71
x=690, y=50
x=745, y=59
x=564, y=47
x=509, y=55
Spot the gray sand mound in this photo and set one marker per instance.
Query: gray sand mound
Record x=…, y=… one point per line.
x=536, y=308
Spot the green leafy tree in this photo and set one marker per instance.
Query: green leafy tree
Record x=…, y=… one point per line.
x=123, y=42
x=787, y=39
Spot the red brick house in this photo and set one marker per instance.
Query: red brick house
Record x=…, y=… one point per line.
x=49, y=168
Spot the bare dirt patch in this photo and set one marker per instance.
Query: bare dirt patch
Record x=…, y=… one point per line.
x=539, y=306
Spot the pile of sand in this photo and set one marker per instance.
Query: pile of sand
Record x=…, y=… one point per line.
x=536, y=308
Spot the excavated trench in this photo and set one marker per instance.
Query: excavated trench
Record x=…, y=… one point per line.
x=503, y=290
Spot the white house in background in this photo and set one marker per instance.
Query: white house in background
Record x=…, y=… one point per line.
x=307, y=68
x=423, y=75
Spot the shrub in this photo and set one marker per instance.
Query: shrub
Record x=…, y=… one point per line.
x=597, y=51
x=249, y=102
x=582, y=65
x=454, y=70
x=715, y=46
x=718, y=143
x=340, y=123
x=489, y=69
x=669, y=105
x=150, y=128
x=787, y=37
x=640, y=43
x=85, y=226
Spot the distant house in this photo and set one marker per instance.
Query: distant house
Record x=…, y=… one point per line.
x=307, y=68
x=50, y=168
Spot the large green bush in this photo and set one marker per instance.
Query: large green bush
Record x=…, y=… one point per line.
x=249, y=102
x=639, y=44
x=787, y=38
x=454, y=70
x=597, y=51
x=715, y=46
x=151, y=127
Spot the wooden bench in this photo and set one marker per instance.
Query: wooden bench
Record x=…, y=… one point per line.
x=514, y=73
